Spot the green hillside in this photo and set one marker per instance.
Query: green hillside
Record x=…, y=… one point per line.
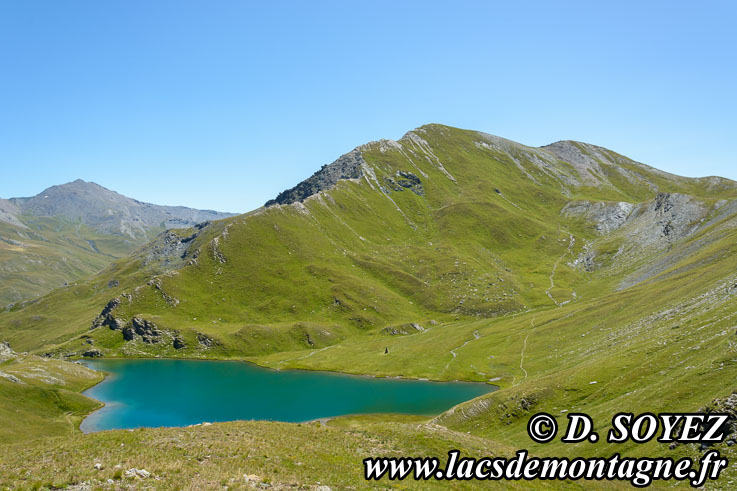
x=71, y=231
x=574, y=278
x=51, y=251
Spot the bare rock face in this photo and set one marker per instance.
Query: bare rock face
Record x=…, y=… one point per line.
x=6, y=353
x=147, y=330
x=346, y=167
x=606, y=217
x=9, y=213
x=171, y=249
x=668, y=218
x=404, y=329
x=404, y=180
x=585, y=162
x=11, y=377
x=205, y=341
x=107, y=318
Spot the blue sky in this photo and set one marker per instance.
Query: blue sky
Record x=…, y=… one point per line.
x=223, y=104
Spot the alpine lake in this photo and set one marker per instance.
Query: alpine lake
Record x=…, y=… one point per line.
x=162, y=392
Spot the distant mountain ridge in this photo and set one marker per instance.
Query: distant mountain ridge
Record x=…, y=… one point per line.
x=104, y=210
x=72, y=230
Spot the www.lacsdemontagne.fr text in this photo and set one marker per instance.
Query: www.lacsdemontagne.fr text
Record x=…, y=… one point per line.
x=640, y=472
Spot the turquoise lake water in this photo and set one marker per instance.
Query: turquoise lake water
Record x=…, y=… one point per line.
x=155, y=393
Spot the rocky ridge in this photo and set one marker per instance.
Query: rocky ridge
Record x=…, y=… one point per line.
x=103, y=210
x=348, y=166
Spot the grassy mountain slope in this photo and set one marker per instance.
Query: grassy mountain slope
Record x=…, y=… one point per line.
x=478, y=237
x=74, y=230
x=51, y=251
x=571, y=276
x=41, y=396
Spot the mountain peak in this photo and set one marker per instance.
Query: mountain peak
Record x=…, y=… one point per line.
x=105, y=210
x=428, y=150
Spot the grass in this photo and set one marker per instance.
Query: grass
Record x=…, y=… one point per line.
x=47, y=400
x=207, y=457
x=53, y=251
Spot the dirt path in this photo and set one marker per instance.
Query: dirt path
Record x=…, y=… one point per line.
x=69, y=421
x=476, y=335
x=282, y=362
x=571, y=242
x=522, y=354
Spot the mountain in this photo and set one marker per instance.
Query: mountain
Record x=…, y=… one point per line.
x=106, y=211
x=73, y=230
x=442, y=224
x=571, y=276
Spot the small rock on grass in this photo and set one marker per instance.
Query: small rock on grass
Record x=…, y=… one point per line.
x=134, y=473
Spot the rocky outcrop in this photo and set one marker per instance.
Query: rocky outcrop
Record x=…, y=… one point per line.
x=93, y=353
x=348, y=166
x=147, y=331
x=170, y=249
x=6, y=353
x=593, y=164
x=9, y=213
x=586, y=163
x=606, y=216
x=404, y=329
x=725, y=405
x=156, y=283
x=134, y=473
x=205, y=341
x=586, y=259
x=668, y=218
x=107, y=318
x=404, y=180
x=11, y=377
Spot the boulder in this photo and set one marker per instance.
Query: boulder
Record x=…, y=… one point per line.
x=205, y=341
x=410, y=328
x=10, y=377
x=5, y=352
x=92, y=353
x=106, y=317
x=128, y=333
x=148, y=331
x=134, y=473
x=404, y=180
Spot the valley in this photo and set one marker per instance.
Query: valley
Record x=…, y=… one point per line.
x=71, y=231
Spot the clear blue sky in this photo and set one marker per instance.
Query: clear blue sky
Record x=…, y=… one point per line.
x=220, y=104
